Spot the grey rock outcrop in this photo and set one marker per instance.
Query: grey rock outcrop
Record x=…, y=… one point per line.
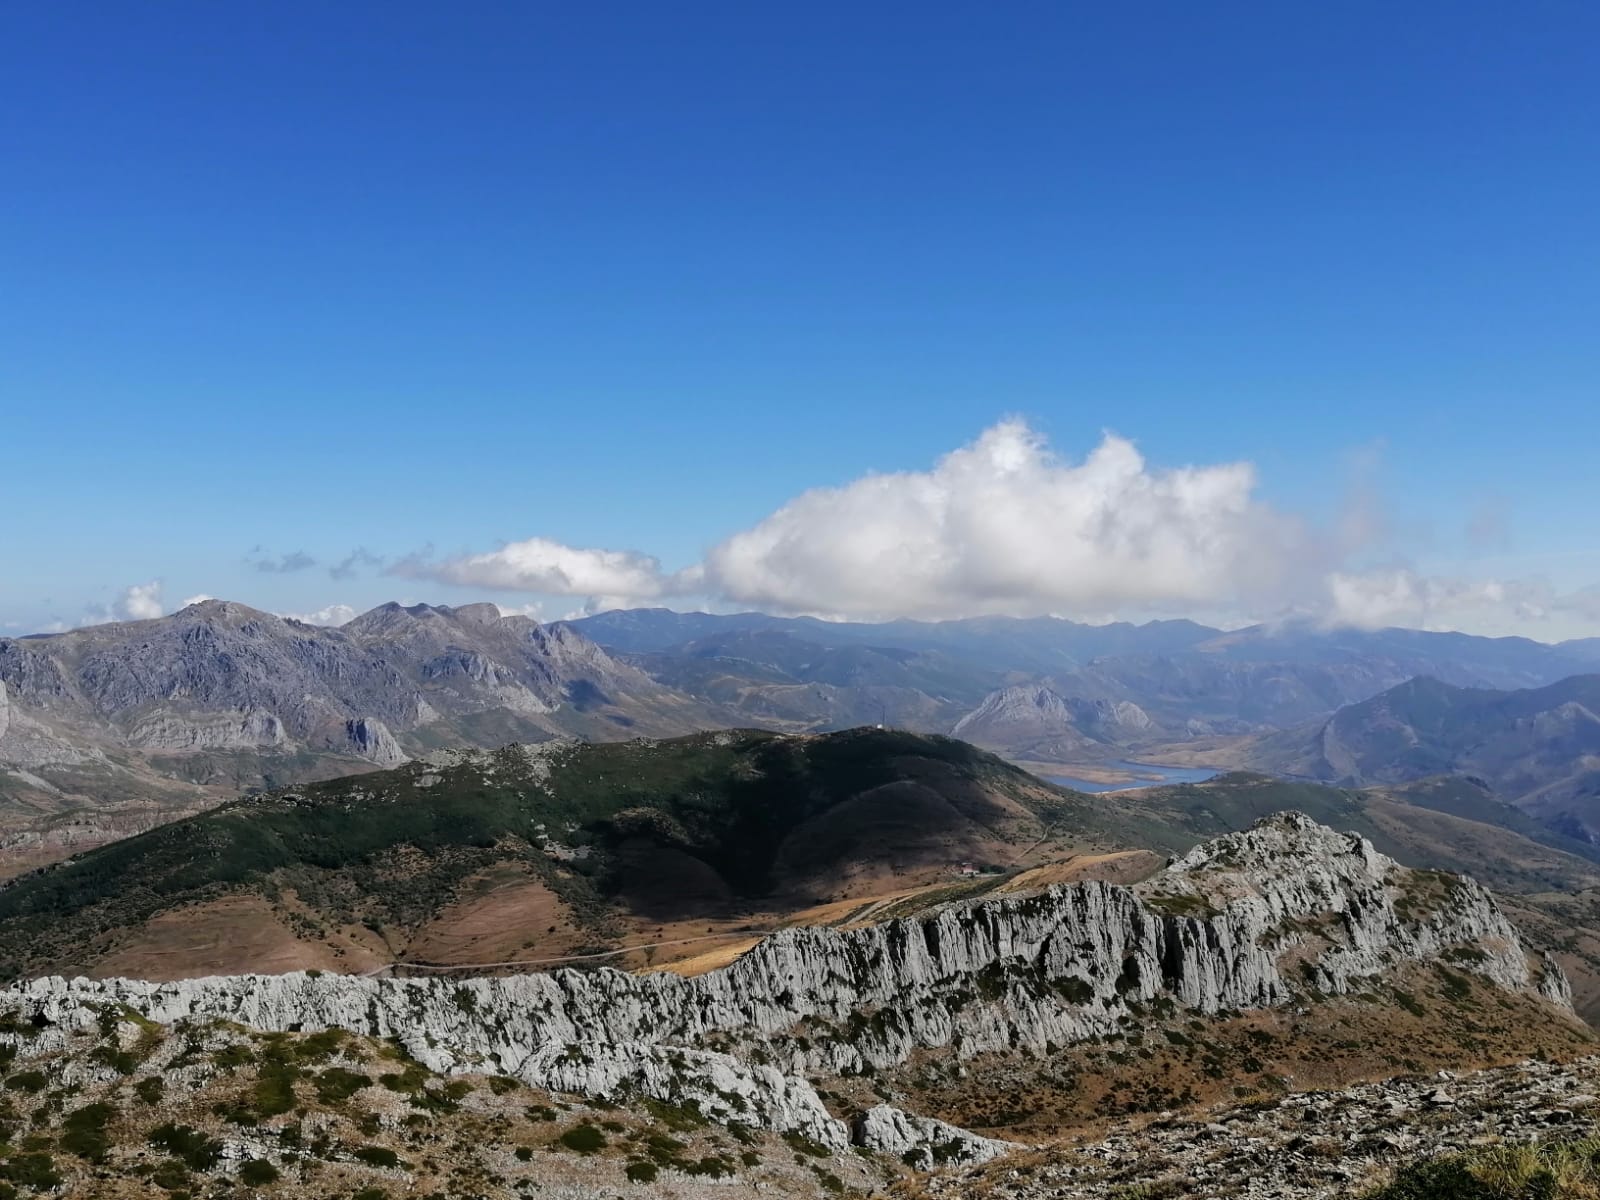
x=923, y=1142
x=1288, y=906
x=370, y=738
x=1553, y=983
x=165, y=730
x=28, y=743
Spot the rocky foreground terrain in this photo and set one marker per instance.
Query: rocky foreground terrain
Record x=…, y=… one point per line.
x=1307, y=1146
x=835, y=1055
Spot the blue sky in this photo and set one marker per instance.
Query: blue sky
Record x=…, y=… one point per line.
x=294, y=280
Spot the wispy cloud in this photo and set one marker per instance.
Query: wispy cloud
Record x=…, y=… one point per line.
x=353, y=563
x=284, y=564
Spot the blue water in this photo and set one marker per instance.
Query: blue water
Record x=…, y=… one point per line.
x=1142, y=770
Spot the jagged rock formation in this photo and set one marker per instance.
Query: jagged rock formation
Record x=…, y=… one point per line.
x=1247, y=921
x=371, y=739
x=923, y=1142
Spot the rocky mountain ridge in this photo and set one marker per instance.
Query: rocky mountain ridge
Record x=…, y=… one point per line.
x=1252, y=920
x=220, y=698
x=223, y=675
x=1191, y=680
x=170, y=715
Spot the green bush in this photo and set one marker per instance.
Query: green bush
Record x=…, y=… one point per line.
x=1528, y=1171
x=799, y=1141
x=36, y=1171
x=190, y=1145
x=150, y=1089
x=257, y=1171
x=84, y=1131
x=123, y=1062
x=585, y=1139
x=642, y=1172
x=274, y=1090
x=171, y=1175
x=337, y=1084
x=378, y=1156
x=27, y=1081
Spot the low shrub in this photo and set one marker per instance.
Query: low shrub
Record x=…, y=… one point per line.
x=378, y=1156
x=585, y=1139
x=257, y=1172
x=1546, y=1170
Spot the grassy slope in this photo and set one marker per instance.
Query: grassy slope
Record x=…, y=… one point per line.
x=1560, y=1170
x=766, y=813
x=765, y=818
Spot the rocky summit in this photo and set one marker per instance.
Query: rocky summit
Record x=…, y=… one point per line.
x=1288, y=913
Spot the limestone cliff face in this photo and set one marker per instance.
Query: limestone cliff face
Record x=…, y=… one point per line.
x=251, y=729
x=1246, y=921
x=370, y=738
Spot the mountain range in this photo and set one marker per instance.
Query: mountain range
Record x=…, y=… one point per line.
x=111, y=729
x=540, y=850
x=1188, y=679
x=849, y=957
x=1536, y=748
x=118, y=725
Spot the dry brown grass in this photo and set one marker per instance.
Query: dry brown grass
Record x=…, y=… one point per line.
x=1173, y=1059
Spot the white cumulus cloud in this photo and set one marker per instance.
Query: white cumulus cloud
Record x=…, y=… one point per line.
x=610, y=578
x=1005, y=526
x=140, y=602
x=333, y=614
